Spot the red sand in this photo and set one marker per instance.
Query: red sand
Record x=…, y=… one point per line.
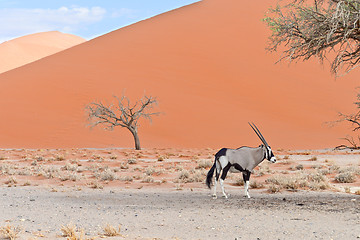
x=208, y=67
x=29, y=48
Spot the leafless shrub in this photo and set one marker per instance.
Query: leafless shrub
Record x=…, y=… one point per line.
x=299, y=167
x=126, y=178
x=147, y=179
x=239, y=181
x=302, y=180
x=124, y=166
x=70, y=167
x=345, y=177
x=131, y=161
x=95, y=185
x=204, y=164
x=184, y=175
x=256, y=184
x=108, y=175
x=11, y=182
x=60, y=158
x=273, y=188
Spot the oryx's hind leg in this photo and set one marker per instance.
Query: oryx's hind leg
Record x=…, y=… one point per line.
x=222, y=178
x=246, y=177
x=217, y=174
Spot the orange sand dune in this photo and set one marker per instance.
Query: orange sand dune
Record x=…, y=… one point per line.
x=207, y=65
x=29, y=48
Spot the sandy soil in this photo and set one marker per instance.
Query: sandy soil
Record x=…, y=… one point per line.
x=170, y=214
x=160, y=193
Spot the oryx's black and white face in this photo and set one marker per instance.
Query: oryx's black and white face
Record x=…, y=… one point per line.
x=269, y=155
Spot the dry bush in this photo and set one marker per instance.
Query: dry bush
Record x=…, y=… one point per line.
x=256, y=184
x=107, y=175
x=198, y=175
x=204, y=164
x=11, y=181
x=60, y=158
x=131, y=161
x=95, y=185
x=299, y=167
x=124, y=166
x=304, y=180
x=110, y=231
x=239, y=181
x=10, y=232
x=152, y=171
x=352, y=169
x=273, y=188
x=184, y=175
x=345, y=177
x=126, y=178
x=70, y=167
x=263, y=169
x=147, y=179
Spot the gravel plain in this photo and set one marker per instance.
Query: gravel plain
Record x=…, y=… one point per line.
x=154, y=213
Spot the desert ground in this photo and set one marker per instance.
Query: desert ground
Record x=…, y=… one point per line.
x=160, y=194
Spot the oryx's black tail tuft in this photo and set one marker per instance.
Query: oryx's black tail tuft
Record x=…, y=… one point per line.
x=210, y=175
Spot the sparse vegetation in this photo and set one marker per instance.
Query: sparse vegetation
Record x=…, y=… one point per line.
x=345, y=177
x=122, y=114
x=10, y=232
x=110, y=231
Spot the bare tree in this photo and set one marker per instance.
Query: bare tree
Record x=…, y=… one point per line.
x=321, y=28
x=123, y=114
x=354, y=120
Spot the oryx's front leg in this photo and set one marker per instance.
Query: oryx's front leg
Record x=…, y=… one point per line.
x=246, y=177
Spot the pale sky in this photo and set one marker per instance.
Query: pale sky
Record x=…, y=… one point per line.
x=85, y=18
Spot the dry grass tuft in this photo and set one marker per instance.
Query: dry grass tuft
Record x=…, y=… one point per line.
x=71, y=233
x=68, y=230
x=10, y=232
x=110, y=231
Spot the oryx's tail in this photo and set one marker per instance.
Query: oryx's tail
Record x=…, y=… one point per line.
x=210, y=175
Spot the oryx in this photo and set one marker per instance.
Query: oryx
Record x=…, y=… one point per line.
x=243, y=159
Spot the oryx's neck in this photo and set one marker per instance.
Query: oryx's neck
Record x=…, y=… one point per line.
x=261, y=154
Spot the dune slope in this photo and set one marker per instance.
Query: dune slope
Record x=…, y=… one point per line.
x=29, y=48
x=207, y=65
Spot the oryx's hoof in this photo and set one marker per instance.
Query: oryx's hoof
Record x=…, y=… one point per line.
x=214, y=196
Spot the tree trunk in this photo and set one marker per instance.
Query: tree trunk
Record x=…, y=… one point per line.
x=136, y=139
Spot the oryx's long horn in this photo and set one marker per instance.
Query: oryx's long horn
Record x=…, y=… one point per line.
x=257, y=131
